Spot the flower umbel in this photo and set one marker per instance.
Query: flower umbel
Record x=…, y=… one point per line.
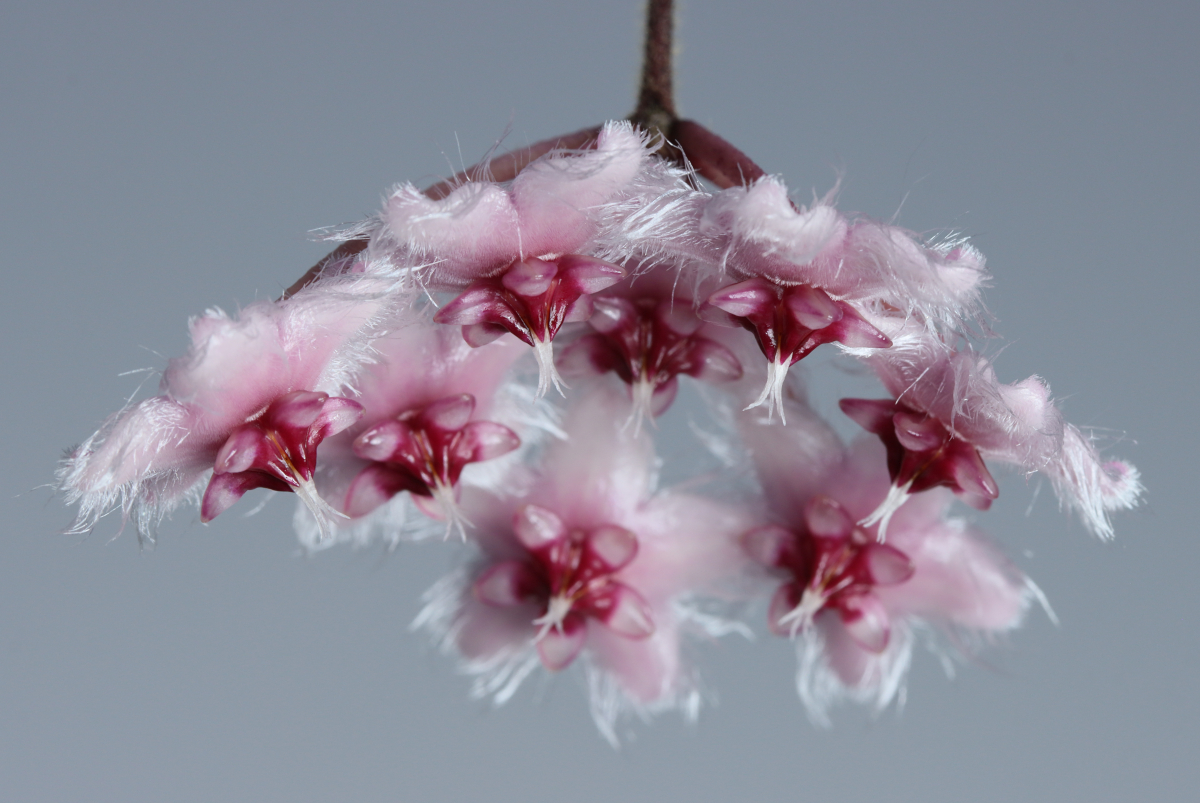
x=393, y=385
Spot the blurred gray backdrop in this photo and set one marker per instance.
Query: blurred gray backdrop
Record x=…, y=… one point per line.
x=159, y=158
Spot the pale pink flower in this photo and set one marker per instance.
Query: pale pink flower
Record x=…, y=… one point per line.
x=809, y=276
x=251, y=402
x=517, y=254
x=854, y=602
x=949, y=411
x=647, y=332
x=589, y=564
x=428, y=404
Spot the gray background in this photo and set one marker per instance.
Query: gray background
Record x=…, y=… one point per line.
x=158, y=158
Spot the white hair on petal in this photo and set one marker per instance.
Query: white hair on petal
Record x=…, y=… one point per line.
x=153, y=456
x=820, y=688
x=499, y=675
x=1016, y=423
x=1091, y=487
x=610, y=704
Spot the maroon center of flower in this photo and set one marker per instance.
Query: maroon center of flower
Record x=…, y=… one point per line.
x=568, y=575
x=922, y=453
x=531, y=299
x=424, y=451
x=277, y=449
x=648, y=342
x=832, y=564
x=789, y=322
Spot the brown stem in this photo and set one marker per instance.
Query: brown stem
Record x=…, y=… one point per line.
x=655, y=110
x=713, y=157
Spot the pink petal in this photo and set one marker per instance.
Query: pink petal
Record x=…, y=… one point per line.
x=487, y=439
x=383, y=440
x=745, y=298
x=558, y=649
x=242, y=449
x=680, y=318
x=714, y=362
x=298, y=409
x=337, y=415
x=854, y=332
x=972, y=474
x=589, y=354
x=917, y=432
x=225, y=489
x=375, y=485
x=873, y=415
x=612, y=313
x=579, y=310
x=480, y=334
x=475, y=305
x=537, y=527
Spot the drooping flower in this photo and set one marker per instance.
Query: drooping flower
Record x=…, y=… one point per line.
x=789, y=323
x=517, y=255
x=251, y=402
x=647, y=332
x=949, y=411
x=589, y=565
x=810, y=276
x=429, y=407
x=532, y=300
x=852, y=602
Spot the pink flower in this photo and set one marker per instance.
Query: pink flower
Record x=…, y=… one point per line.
x=532, y=300
x=517, y=254
x=569, y=576
x=809, y=276
x=424, y=451
x=833, y=565
x=853, y=602
x=647, y=332
x=589, y=565
x=429, y=403
x=788, y=323
x=252, y=401
x=950, y=411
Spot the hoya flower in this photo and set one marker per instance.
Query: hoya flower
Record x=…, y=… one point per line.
x=516, y=254
x=251, y=403
x=428, y=403
x=949, y=412
x=590, y=566
x=852, y=602
x=809, y=276
x=532, y=300
x=789, y=323
x=647, y=332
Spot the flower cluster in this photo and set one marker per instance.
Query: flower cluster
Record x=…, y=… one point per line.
x=408, y=389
